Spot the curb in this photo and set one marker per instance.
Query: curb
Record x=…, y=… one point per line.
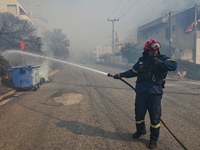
x=14, y=91
x=53, y=72
x=7, y=94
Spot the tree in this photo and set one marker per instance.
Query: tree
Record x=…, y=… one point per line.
x=129, y=51
x=12, y=30
x=105, y=56
x=4, y=65
x=33, y=44
x=57, y=43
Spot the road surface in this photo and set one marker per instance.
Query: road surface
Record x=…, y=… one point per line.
x=83, y=110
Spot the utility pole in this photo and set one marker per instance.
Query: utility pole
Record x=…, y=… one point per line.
x=170, y=35
x=195, y=34
x=113, y=38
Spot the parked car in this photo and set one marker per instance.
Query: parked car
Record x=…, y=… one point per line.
x=99, y=61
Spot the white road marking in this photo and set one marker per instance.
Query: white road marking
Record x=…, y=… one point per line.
x=5, y=101
x=9, y=99
x=18, y=93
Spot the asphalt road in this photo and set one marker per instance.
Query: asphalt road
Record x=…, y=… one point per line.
x=83, y=110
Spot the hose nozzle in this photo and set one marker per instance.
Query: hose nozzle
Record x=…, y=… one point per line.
x=109, y=75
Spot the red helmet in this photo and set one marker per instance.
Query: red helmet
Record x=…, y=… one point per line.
x=152, y=45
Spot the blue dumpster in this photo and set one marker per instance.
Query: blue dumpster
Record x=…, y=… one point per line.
x=25, y=76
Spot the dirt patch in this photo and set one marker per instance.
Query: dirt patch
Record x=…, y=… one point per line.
x=69, y=99
x=63, y=98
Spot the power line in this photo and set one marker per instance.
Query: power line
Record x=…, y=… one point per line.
x=106, y=20
x=143, y=13
x=123, y=7
x=132, y=6
x=106, y=28
x=116, y=8
x=137, y=16
x=136, y=20
x=139, y=12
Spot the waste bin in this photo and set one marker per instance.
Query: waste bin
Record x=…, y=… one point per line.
x=26, y=76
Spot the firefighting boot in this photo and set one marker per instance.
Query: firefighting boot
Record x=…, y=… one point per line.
x=137, y=134
x=152, y=144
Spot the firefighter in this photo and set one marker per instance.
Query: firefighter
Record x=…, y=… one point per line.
x=21, y=45
x=151, y=70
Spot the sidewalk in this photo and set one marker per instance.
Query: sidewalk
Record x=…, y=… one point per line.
x=6, y=91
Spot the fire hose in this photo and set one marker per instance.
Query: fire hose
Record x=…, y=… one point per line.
x=110, y=75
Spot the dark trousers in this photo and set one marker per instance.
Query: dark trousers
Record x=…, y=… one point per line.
x=152, y=103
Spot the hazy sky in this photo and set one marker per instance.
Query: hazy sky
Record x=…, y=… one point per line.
x=85, y=21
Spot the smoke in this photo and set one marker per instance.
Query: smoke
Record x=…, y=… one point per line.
x=87, y=20
x=152, y=14
x=20, y=59
x=44, y=70
x=55, y=60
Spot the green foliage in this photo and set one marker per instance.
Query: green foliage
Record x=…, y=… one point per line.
x=4, y=65
x=192, y=69
x=57, y=43
x=130, y=52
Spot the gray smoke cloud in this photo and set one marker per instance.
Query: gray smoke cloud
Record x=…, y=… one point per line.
x=85, y=22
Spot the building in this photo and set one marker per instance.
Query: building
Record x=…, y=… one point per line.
x=185, y=34
x=39, y=22
x=101, y=50
x=13, y=7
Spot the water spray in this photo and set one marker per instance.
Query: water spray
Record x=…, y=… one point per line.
x=97, y=71
x=110, y=75
x=57, y=60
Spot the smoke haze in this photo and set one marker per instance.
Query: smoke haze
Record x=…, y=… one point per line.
x=85, y=21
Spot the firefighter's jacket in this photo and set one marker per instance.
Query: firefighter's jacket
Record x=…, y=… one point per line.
x=148, y=86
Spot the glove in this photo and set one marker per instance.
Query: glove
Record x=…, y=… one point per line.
x=117, y=76
x=153, y=60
